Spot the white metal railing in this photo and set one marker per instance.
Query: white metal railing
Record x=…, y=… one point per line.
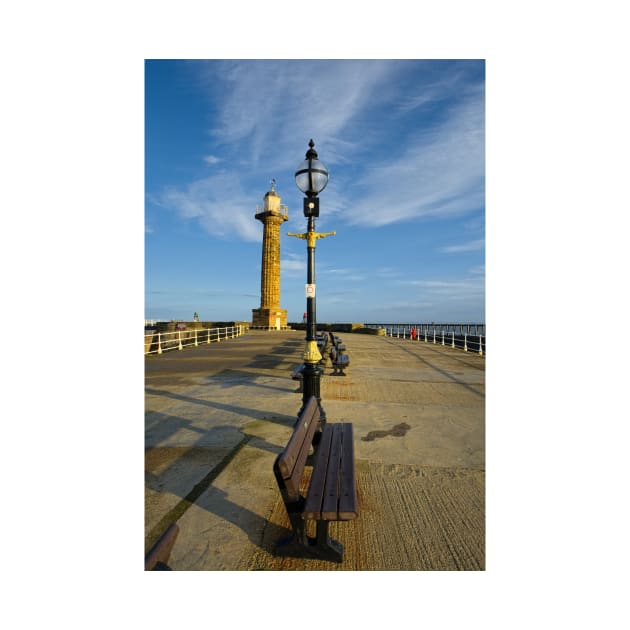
x=468, y=337
x=159, y=342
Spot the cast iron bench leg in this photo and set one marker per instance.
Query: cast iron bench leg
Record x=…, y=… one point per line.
x=321, y=547
x=325, y=547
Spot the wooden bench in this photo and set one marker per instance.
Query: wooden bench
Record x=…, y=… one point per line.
x=157, y=558
x=330, y=494
x=322, y=344
x=339, y=360
x=298, y=372
x=336, y=342
x=298, y=375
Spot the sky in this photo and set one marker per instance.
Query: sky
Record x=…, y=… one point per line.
x=404, y=144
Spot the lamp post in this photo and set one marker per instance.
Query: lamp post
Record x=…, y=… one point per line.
x=311, y=178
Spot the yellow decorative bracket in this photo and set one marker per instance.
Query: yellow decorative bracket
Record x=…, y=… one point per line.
x=312, y=353
x=311, y=237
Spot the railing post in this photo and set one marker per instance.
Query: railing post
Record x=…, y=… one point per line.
x=425, y=334
x=465, y=342
x=159, y=350
x=452, y=338
x=196, y=344
x=209, y=336
x=442, y=337
x=480, y=348
x=434, y=334
x=180, y=340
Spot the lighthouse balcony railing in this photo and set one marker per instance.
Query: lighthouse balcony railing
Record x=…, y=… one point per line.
x=159, y=342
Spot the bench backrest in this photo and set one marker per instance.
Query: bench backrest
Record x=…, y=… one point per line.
x=290, y=463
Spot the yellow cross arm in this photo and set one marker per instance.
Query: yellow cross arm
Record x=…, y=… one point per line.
x=312, y=237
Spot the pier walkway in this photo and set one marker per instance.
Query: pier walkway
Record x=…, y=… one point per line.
x=217, y=416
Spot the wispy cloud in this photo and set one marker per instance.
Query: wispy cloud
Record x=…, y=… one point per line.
x=293, y=265
x=267, y=110
x=272, y=108
x=439, y=173
x=472, y=246
x=351, y=275
x=445, y=291
x=220, y=205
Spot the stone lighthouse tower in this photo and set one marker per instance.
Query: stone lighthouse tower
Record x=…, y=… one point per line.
x=272, y=216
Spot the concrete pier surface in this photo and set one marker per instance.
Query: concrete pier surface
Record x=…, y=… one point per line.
x=217, y=416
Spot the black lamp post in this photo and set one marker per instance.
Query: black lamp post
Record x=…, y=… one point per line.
x=311, y=178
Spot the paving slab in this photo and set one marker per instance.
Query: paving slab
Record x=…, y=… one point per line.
x=216, y=417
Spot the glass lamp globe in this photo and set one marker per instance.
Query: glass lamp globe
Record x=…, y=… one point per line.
x=311, y=176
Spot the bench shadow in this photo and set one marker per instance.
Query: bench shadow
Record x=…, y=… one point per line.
x=181, y=476
x=257, y=528
x=179, y=470
x=251, y=414
x=233, y=378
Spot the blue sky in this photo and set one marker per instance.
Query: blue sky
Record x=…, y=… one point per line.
x=404, y=145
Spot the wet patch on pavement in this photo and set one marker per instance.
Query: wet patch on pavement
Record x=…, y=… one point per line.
x=397, y=431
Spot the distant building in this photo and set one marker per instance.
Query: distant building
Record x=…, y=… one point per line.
x=270, y=316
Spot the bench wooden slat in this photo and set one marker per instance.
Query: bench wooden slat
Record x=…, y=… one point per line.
x=330, y=503
x=313, y=505
x=348, y=492
x=292, y=460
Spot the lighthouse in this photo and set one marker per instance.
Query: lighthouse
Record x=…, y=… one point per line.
x=270, y=316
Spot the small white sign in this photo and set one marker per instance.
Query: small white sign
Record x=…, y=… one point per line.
x=310, y=290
